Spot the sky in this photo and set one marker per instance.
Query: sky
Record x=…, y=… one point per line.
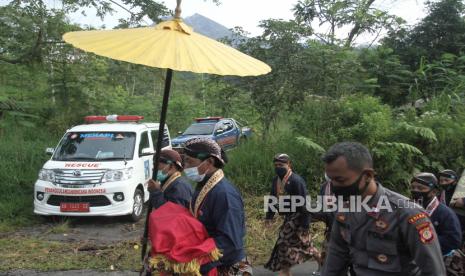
x=244, y=13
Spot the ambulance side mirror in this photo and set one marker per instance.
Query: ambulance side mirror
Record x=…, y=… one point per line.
x=147, y=151
x=49, y=151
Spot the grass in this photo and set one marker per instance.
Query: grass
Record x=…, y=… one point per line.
x=259, y=239
x=21, y=164
x=60, y=228
x=250, y=165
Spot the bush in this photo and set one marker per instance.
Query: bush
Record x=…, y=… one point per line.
x=251, y=168
x=18, y=173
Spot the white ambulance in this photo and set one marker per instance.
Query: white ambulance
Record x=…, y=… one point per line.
x=99, y=169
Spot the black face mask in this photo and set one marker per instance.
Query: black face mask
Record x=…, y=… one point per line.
x=449, y=187
x=280, y=171
x=421, y=198
x=351, y=190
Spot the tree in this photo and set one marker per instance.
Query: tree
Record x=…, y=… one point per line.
x=441, y=31
x=280, y=47
x=358, y=15
x=392, y=79
x=29, y=30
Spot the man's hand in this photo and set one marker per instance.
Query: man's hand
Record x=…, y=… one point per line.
x=153, y=185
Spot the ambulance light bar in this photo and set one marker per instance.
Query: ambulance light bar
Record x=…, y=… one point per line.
x=114, y=118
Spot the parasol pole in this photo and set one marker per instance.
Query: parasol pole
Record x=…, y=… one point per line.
x=161, y=131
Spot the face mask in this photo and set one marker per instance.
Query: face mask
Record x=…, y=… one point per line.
x=193, y=174
x=351, y=190
x=421, y=198
x=449, y=187
x=280, y=171
x=161, y=176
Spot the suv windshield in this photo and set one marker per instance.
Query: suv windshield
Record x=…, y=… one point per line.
x=92, y=146
x=200, y=129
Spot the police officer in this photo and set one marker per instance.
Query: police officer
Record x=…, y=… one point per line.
x=170, y=185
x=392, y=237
x=424, y=188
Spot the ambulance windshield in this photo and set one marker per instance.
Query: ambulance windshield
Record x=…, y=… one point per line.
x=96, y=146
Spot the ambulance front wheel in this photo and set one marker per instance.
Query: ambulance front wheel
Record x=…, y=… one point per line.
x=138, y=206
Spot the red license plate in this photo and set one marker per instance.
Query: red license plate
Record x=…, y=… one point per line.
x=74, y=207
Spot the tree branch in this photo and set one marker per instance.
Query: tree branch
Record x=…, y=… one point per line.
x=127, y=10
x=121, y=6
x=320, y=37
x=356, y=29
x=373, y=41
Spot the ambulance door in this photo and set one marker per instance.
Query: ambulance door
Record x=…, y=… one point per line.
x=145, y=152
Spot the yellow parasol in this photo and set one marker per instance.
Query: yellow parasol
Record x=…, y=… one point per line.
x=172, y=45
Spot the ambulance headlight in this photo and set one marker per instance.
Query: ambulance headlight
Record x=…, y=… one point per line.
x=47, y=175
x=117, y=175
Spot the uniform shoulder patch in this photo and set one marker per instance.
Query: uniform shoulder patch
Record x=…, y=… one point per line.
x=413, y=219
x=422, y=225
x=426, y=234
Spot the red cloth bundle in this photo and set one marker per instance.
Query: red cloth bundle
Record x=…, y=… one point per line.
x=180, y=243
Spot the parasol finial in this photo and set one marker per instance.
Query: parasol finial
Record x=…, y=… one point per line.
x=177, y=11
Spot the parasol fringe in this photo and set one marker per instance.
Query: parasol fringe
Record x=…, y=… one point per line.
x=191, y=268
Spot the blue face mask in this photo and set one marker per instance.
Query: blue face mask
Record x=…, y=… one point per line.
x=193, y=174
x=161, y=176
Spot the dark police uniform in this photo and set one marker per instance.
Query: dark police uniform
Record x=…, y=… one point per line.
x=401, y=242
x=447, y=227
x=180, y=192
x=326, y=217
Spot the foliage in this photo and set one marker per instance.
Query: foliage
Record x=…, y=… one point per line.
x=443, y=76
x=441, y=31
x=360, y=16
x=310, y=144
x=423, y=132
x=389, y=78
x=19, y=172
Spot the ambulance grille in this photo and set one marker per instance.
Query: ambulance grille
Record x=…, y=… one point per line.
x=94, y=201
x=78, y=177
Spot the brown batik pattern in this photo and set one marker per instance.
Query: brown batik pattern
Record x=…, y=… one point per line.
x=294, y=245
x=455, y=263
